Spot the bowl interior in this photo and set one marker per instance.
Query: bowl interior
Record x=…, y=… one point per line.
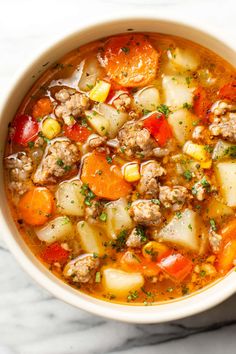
x=200, y=301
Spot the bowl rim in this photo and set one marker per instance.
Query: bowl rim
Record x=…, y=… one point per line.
x=126, y=313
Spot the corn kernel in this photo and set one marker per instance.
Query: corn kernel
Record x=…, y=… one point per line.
x=196, y=151
x=50, y=128
x=131, y=172
x=100, y=91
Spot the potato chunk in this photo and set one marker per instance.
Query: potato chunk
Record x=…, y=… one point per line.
x=70, y=201
x=226, y=173
x=176, y=91
x=91, y=238
x=183, y=230
x=59, y=228
x=182, y=123
x=184, y=58
x=120, y=283
x=118, y=217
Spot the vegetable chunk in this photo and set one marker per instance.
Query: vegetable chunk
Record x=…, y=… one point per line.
x=120, y=283
x=130, y=60
x=226, y=173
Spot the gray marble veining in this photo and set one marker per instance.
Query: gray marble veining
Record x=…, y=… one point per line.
x=31, y=320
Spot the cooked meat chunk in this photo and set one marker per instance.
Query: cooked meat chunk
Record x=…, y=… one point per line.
x=122, y=102
x=94, y=210
x=20, y=167
x=173, y=197
x=73, y=104
x=201, y=188
x=224, y=121
x=150, y=172
x=198, y=132
x=135, y=238
x=96, y=141
x=215, y=241
x=58, y=159
x=81, y=269
x=146, y=212
x=135, y=140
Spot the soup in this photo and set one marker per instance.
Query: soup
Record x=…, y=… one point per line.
x=120, y=168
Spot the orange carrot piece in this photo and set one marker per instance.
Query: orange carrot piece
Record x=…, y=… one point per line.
x=130, y=60
x=103, y=178
x=226, y=257
x=229, y=231
x=36, y=206
x=42, y=108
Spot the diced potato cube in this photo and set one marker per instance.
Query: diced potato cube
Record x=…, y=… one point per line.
x=182, y=230
x=184, y=58
x=223, y=151
x=176, y=92
x=98, y=122
x=182, y=123
x=148, y=98
x=100, y=91
x=91, y=70
x=226, y=173
x=57, y=229
x=120, y=283
x=50, y=128
x=118, y=218
x=216, y=209
x=131, y=172
x=91, y=238
x=70, y=201
x=196, y=151
x=115, y=118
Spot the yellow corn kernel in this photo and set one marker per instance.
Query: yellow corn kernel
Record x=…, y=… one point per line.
x=50, y=128
x=153, y=249
x=100, y=91
x=131, y=172
x=196, y=151
x=206, y=164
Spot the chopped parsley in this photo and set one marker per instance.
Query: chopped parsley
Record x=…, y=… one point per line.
x=231, y=151
x=119, y=243
x=103, y=216
x=89, y=195
x=133, y=295
x=109, y=159
x=190, y=227
x=140, y=231
x=202, y=273
x=209, y=148
x=213, y=224
x=178, y=214
x=164, y=109
x=60, y=162
x=31, y=144
x=187, y=105
x=156, y=201
x=98, y=277
x=126, y=50
x=206, y=185
x=187, y=175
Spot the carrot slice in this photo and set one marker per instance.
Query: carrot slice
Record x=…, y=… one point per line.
x=42, y=107
x=36, y=206
x=130, y=60
x=103, y=178
x=226, y=257
x=201, y=104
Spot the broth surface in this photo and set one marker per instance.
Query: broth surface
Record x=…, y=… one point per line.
x=120, y=168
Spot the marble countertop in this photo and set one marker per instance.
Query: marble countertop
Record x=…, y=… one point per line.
x=31, y=320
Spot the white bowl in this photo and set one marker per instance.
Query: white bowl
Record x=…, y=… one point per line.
x=171, y=310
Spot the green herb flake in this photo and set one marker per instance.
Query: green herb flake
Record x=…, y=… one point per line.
x=60, y=162
x=140, y=231
x=133, y=295
x=164, y=109
x=213, y=224
x=103, y=216
x=187, y=105
x=187, y=175
x=31, y=144
x=202, y=273
x=126, y=50
x=178, y=214
x=156, y=201
x=109, y=159
x=98, y=277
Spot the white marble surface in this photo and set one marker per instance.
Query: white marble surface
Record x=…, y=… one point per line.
x=31, y=320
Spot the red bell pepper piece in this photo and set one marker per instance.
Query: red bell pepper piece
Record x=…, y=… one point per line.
x=201, y=103
x=176, y=266
x=25, y=129
x=158, y=127
x=228, y=91
x=77, y=132
x=55, y=253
